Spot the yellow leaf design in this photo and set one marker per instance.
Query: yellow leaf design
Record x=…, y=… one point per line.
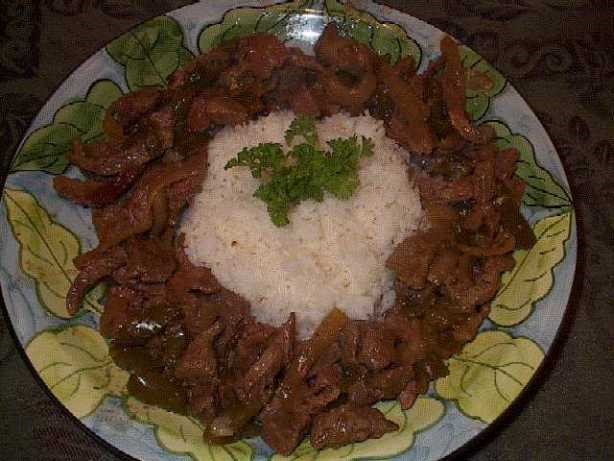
x=75, y=364
x=46, y=252
x=424, y=414
x=489, y=373
x=184, y=435
x=532, y=277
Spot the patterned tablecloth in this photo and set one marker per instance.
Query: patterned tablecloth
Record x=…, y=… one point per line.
x=559, y=54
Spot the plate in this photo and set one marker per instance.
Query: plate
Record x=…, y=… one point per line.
x=41, y=234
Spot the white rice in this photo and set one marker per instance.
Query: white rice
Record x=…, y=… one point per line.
x=332, y=253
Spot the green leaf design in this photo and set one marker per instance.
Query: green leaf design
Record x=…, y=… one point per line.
x=104, y=93
x=478, y=101
x=183, y=435
x=151, y=52
x=242, y=22
x=46, y=252
x=386, y=39
x=75, y=364
x=532, y=277
x=542, y=189
x=489, y=373
x=45, y=149
x=425, y=413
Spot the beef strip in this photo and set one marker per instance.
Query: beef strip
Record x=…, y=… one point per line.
x=204, y=70
x=377, y=347
x=391, y=381
x=137, y=217
x=234, y=311
x=250, y=345
x=135, y=317
x=149, y=260
x=407, y=120
x=288, y=415
x=378, y=385
x=412, y=258
x=261, y=54
x=203, y=401
x=439, y=271
x=471, y=292
x=360, y=393
x=268, y=366
x=328, y=377
x=94, y=267
x=190, y=278
x=199, y=362
x=285, y=421
x=219, y=110
x=296, y=86
x=346, y=424
x=95, y=193
x=409, y=395
x=438, y=189
x=200, y=311
x=130, y=109
x=453, y=83
x=349, y=343
x=181, y=194
x=111, y=157
x=348, y=79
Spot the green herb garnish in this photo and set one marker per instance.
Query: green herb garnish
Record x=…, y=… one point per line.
x=267, y=157
x=305, y=127
x=305, y=172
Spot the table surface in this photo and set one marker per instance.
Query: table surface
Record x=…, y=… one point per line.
x=559, y=54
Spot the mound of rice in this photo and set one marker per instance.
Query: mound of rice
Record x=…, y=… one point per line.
x=332, y=254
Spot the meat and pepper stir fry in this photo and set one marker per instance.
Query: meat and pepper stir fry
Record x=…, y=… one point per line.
x=191, y=345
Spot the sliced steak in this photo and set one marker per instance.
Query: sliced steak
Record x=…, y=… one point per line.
x=94, y=266
x=266, y=369
x=149, y=260
x=377, y=346
x=95, y=193
x=199, y=362
x=346, y=424
x=412, y=258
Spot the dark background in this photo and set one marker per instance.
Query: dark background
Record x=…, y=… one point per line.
x=559, y=54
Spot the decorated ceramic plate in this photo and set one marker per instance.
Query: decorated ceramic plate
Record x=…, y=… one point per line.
x=41, y=234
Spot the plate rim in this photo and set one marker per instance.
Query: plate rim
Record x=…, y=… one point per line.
x=490, y=431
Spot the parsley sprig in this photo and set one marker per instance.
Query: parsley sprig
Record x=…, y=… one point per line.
x=306, y=171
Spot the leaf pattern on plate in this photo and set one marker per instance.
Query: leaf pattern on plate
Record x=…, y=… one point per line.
x=45, y=148
x=184, y=435
x=74, y=363
x=46, y=252
x=425, y=413
x=386, y=39
x=241, y=22
x=489, y=373
x=542, y=189
x=488, y=83
x=150, y=52
x=532, y=277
